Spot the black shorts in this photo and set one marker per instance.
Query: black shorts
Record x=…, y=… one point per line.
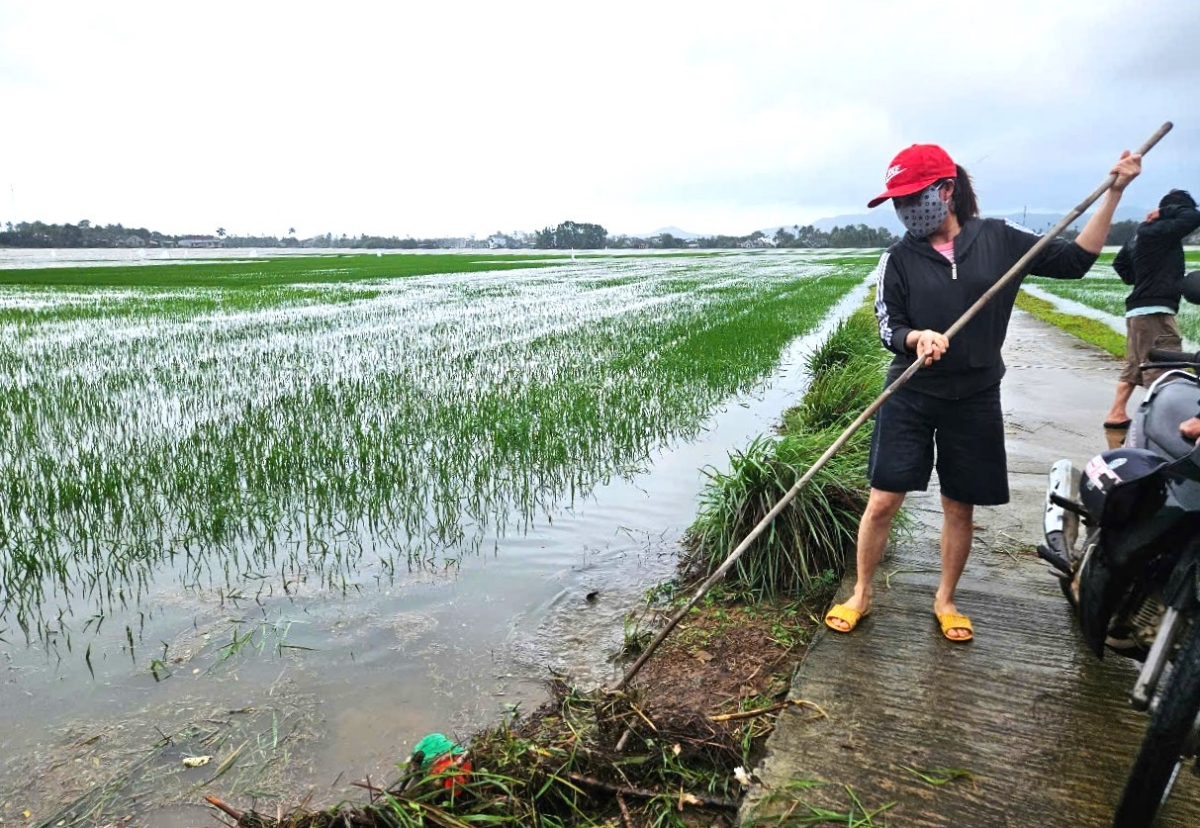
x=966, y=436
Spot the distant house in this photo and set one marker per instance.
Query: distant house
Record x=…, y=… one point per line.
x=760, y=242
x=199, y=241
x=131, y=241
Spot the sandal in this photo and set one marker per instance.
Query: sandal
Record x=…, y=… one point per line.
x=841, y=612
x=953, y=621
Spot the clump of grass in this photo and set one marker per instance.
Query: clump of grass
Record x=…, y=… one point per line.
x=847, y=372
x=812, y=536
x=854, y=339
x=808, y=538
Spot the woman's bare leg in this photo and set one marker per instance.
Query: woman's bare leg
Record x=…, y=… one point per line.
x=873, y=531
x=958, y=530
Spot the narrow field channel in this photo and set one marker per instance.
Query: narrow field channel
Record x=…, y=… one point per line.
x=1101, y=296
x=301, y=512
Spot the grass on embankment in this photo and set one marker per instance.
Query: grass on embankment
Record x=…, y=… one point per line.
x=814, y=533
x=1089, y=330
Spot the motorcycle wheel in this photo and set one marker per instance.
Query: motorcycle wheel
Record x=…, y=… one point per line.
x=1160, y=760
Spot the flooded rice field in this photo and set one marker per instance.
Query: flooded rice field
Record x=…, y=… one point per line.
x=292, y=516
x=1101, y=295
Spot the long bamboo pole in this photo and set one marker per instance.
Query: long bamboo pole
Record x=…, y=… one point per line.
x=1013, y=272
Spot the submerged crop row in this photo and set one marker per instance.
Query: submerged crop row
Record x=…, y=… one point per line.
x=328, y=434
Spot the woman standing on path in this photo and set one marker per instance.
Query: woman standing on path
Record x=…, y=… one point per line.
x=949, y=410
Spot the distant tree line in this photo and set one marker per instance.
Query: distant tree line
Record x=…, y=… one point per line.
x=84, y=234
x=858, y=235
x=807, y=236
x=568, y=235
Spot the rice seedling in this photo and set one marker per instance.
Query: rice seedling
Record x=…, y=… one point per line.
x=847, y=375
x=634, y=637
x=256, y=428
x=254, y=273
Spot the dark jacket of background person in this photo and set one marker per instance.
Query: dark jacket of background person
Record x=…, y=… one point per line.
x=1152, y=261
x=918, y=288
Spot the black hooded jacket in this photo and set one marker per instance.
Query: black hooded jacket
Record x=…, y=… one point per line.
x=918, y=288
x=1152, y=261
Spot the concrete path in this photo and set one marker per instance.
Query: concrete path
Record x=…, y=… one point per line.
x=1039, y=722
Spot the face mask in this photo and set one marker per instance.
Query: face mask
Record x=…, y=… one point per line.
x=926, y=214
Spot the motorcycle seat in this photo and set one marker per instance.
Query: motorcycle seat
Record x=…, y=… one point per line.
x=1172, y=403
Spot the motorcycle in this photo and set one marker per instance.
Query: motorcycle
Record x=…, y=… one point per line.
x=1134, y=577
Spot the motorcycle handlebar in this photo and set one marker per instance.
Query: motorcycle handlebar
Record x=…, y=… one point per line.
x=1163, y=355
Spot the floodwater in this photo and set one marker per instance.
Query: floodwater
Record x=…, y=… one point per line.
x=13, y=257
x=1070, y=306
x=327, y=689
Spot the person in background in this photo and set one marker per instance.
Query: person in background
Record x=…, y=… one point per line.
x=949, y=413
x=1190, y=428
x=1152, y=262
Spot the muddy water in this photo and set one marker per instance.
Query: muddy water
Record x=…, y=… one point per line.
x=310, y=691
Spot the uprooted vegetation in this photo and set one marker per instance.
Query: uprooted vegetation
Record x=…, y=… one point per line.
x=667, y=752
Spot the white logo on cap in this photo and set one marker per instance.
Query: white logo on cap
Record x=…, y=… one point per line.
x=892, y=172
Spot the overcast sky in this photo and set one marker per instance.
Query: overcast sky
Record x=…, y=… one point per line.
x=447, y=118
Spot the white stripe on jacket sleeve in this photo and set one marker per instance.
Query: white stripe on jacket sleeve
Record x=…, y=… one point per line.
x=881, y=311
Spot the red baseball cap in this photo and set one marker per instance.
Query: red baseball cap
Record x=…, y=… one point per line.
x=913, y=170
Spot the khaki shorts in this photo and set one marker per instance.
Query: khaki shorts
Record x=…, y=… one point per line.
x=1152, y=330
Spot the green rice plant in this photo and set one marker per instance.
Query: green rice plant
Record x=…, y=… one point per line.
x=325, y=420
x=255, y=273
x=847, y=375
x=940, y=776
x=836, y=398
x=854, y=340
x=635, y=638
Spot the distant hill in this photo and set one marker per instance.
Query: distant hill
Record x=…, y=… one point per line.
x=674, y=231
x=885, y=217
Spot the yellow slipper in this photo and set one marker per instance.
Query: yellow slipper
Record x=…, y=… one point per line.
x=952, y=621
x=841, y=612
